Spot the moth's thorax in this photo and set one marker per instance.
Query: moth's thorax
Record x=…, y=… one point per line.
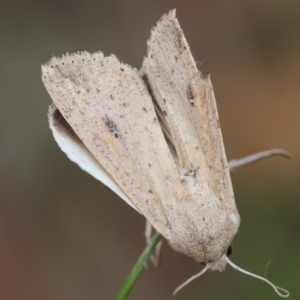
x=202, y=227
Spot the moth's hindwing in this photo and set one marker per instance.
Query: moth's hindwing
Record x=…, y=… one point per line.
x=77, y=152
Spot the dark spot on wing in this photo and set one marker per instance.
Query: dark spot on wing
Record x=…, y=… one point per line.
x=149, y=88
x=192, y=172
x=178, y=34
x=190, y=94
x=111, y=126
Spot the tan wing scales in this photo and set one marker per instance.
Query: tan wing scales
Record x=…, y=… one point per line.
x=177, y=85
x=108, y=106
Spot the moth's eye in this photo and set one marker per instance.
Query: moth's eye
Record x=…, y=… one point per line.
x=229, y=251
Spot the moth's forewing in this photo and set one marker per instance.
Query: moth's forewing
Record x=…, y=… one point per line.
x=108, y=106
x=188, y=105
x=188, y=108
x=216, y=156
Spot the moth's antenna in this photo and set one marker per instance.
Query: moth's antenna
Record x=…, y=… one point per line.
x=280, y=291
x=190, y=279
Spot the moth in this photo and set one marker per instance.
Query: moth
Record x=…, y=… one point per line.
x=152, y=136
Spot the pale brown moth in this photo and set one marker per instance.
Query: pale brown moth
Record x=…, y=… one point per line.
x=153, y=137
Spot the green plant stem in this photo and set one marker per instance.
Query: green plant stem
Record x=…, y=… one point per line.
x=138, y=267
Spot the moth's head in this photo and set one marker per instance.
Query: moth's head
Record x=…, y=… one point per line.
x=220, y=266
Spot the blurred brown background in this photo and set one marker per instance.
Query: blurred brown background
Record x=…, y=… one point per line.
x=63, y=235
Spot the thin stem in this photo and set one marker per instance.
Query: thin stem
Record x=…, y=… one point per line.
x=138, y=267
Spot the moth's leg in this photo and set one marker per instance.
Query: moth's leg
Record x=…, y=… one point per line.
x=236, y=163
x=148, y=235
x=148, y=232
